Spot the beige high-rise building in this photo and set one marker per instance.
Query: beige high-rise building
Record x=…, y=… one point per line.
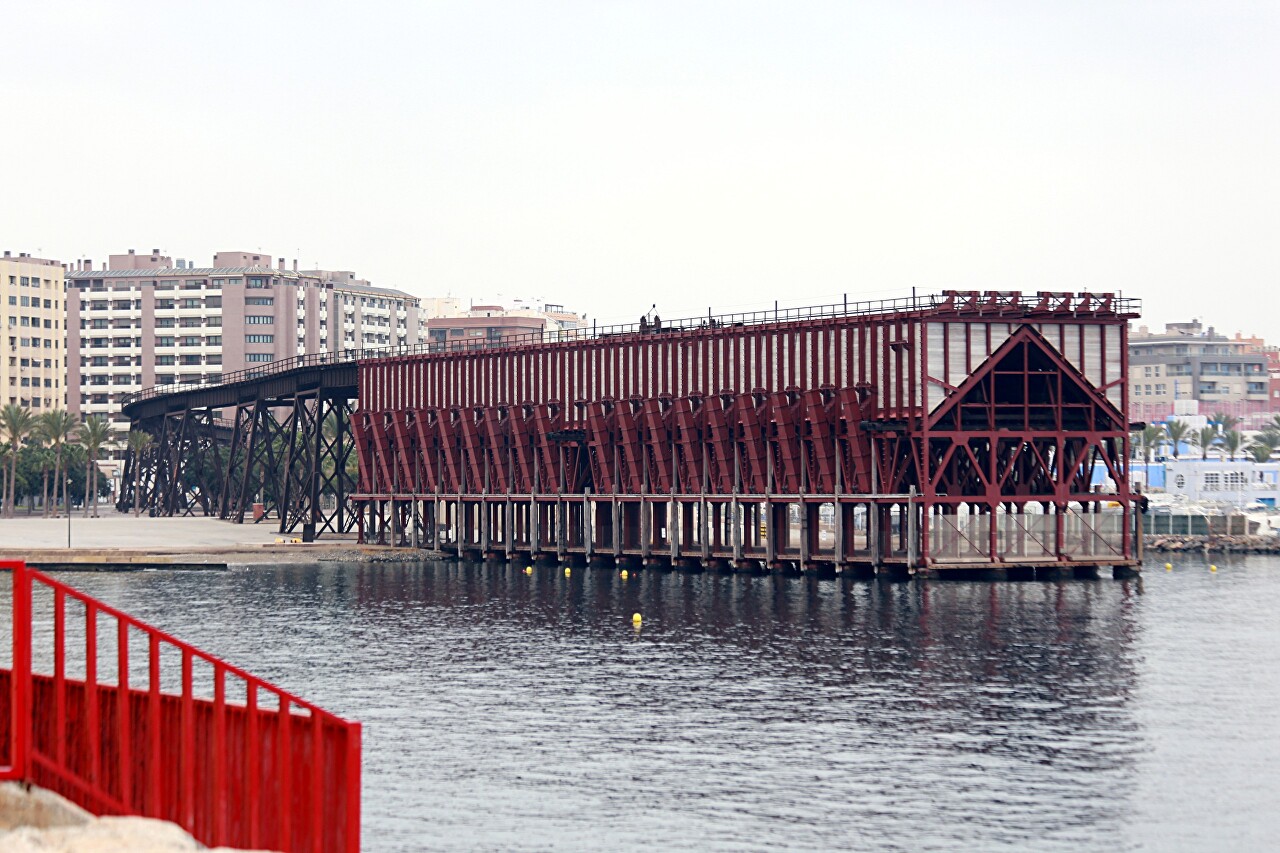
x=33, y=315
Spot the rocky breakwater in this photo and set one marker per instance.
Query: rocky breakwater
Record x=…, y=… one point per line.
x=33, y=820
x=1214, y=544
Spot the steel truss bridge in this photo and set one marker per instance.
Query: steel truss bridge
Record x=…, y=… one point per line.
x=955, y=431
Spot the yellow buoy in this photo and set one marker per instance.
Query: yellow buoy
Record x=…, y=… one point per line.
x=566, y=572
x=528, y=570
x=624, y=574
x=1213, y=568
x=1168, y=567
x=636, y=618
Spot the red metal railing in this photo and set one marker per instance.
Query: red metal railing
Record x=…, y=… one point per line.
x=230, y=758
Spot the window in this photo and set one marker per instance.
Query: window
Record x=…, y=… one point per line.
x=213, y=341
x=213, y=302
x=259, y=339
x=164, y=303
x=260, y=357
x=258, y=283
x=192, y=303
x=164, y=359
x=260, y=320
x=259, y=300
x=164, y=341
x=164, y=322
x=1211, y=481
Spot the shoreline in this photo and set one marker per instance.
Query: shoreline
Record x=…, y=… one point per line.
x=1212, y=544
x=198, y=558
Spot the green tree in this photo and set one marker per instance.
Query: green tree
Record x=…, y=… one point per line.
x=59, y=430
x=1226, y=423
x=1260, y=452
x=1205, y=438
x=16, y=424
x=1177, y=431
x=1147, y=440
x=95, y=436
x=1232, y=440
x=138, y=443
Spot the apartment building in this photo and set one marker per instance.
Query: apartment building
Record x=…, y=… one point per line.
x=1188, y=362
x=498, y=322
x=144, y=320
x=33, y=317
x=371, y=316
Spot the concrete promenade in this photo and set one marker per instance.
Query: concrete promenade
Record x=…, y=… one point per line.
x=114, y=530
x=123, y=541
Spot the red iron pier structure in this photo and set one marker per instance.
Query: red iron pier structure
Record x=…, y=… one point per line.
x=954, y=431
x=124, y=719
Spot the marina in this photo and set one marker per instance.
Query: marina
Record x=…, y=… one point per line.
x=504, y=710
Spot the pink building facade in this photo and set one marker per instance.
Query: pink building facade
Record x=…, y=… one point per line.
x=147, y=320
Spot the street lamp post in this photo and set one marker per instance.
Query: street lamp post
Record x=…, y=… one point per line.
x=69, y=513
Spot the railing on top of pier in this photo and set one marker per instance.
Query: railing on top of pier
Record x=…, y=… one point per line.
x=995, y=302
x=250, y=765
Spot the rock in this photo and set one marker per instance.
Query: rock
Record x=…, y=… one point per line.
x=33, y=820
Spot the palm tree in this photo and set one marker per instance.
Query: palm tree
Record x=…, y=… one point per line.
x=1207, y=437
x=1260, y=452
x=95, y=435
x=4, y=473
x=1231, y=442
x=1151, y=437
x=1177, y=431
x=17, y=423
x=1225, y=422
x=44, y=439
x=138, y=443
x=59, y=429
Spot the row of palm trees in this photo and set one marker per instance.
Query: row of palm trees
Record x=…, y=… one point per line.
x=1221, y=434
x=64, y=437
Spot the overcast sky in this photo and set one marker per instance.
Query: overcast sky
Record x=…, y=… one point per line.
x=690, y=154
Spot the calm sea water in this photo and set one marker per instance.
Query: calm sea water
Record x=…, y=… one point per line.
x=507, y=712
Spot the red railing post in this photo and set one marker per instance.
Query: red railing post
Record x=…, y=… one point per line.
x=91, y=693
x=124, y=715
x=253, y=750
x=220, y=753
x=352, y=778
x=20, y=724
x=60, y=675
